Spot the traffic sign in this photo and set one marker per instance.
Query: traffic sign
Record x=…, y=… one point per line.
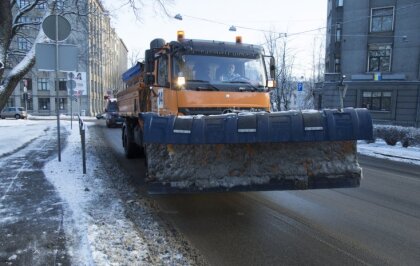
x=56, y=27
x=46, y=57
x=300, y=86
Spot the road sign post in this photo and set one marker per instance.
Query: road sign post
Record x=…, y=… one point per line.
x=57, y=28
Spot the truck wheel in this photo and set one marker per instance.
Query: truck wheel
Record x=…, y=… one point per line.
x=17, y=116
x=130, y=148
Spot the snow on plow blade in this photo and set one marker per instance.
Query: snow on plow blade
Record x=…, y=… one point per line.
x=255, y=151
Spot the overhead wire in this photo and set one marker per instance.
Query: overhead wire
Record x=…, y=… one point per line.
x=284, y=34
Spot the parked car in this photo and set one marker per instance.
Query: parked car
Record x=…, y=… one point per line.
x=13, y=112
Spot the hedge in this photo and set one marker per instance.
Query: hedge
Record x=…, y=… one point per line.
x=407, y=136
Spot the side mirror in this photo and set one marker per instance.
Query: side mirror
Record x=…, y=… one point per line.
x=149, y=67
x=149, y=61
x=272, y=68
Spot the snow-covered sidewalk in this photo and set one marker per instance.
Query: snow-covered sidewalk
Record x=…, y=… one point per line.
x=106, y=222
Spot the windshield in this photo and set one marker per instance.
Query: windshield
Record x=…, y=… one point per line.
x=220, y=70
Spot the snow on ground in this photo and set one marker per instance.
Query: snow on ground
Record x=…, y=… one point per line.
x=107, y=241
x=17, y=133
x=380, y=149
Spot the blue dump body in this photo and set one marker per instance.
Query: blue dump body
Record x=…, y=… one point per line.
x=290, y=126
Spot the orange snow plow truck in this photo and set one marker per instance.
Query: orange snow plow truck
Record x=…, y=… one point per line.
x=199, y=112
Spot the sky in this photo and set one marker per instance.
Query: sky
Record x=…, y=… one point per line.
x=211, y=20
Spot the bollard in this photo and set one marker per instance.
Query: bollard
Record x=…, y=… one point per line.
x=83, y=140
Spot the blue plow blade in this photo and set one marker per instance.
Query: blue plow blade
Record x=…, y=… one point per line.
x=259, y=127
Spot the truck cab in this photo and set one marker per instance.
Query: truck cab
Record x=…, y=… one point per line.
x=191, y=77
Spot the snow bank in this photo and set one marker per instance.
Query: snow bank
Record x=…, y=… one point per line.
x=96, y=228
x=380, y=149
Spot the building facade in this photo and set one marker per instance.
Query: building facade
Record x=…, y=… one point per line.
x=373, y=50
x=102, y=58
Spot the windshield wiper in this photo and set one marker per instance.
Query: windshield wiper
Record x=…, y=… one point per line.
x=243, y=82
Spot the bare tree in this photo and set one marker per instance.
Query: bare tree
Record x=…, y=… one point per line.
x=277, y=47
x=135, y=56
x=317, y=73
x=18, y=61
x=11, y=26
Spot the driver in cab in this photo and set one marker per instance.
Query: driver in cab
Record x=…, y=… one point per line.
x=230, y=74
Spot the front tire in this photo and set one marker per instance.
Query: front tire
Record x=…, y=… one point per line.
x=17, y=116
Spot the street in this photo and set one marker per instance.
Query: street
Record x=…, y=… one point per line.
x=378, y=223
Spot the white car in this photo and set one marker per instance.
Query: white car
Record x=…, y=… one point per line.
x=13, y=112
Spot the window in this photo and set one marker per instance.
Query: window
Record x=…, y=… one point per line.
x=163, y=71
x=27, y=82
x=40, y=6
x=23, y=44
x=44, y=104
x=379, y=58
x=338, y=33
x=28, y=103
x=339, y=2
x=62, y=86
x=36, y=22
x=23, y=3
x=382, y=19
x=337, y=65
x=25, y=20
x=60, y=4
x=377, y=100
x=62, y=102
x=36, y=19
x=42, y=84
